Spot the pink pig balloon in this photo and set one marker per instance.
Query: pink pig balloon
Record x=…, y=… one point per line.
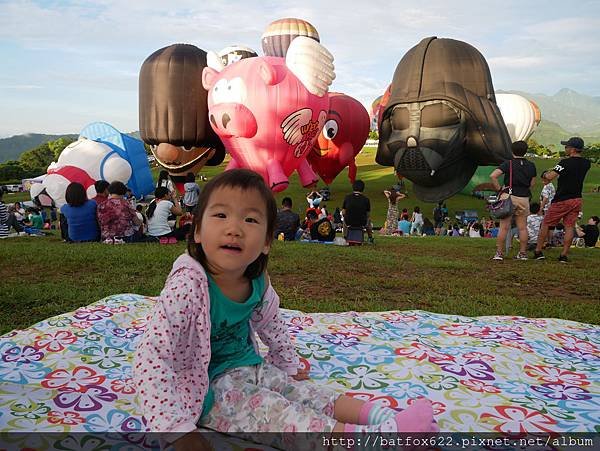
x=266, y=117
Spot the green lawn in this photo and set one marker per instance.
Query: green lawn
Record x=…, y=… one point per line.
x=42, y=277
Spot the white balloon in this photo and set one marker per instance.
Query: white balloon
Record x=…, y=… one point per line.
x=518, y=115
x=312, y=63
x=95, y=159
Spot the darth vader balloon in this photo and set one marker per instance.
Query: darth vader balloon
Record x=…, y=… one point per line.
x=441, y=120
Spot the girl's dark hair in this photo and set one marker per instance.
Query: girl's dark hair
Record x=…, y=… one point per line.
x=417, y=210
x=75, y=195
x=159, y=193
x=245, y=180
x=118, y=188
x=190, y=177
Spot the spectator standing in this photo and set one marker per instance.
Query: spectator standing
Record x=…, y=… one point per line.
x=191, y=192
x=391, y=222
x=287, y=221
x=438, y=219
x=589, y=232
x=547, y=194
x=118, y=220
x=81, y=214
x=567, y=202
x=357, y=209
x=522, y=172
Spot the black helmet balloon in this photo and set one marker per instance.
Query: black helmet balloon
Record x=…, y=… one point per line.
x=441, y=120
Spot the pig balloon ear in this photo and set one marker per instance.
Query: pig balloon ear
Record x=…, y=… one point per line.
x=213, y=60
x=267, y=73
x=209, y=76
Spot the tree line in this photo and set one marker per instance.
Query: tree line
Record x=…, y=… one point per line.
x=33, y=162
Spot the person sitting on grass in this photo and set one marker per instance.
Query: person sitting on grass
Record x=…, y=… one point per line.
x=80, y=213
x=589, y=232
x=404, y=226
x=288, y=221
x=118, y=220
x=164, y=204
x=357, y=210
x=198, y=364
x=7, y=219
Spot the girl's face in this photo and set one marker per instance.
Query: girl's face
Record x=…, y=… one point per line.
x=233, y=229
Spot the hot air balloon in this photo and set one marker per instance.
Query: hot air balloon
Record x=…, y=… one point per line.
x=538, y=113
x=269, y=111
x=441, y=120
x=234, y=53
x=342, y=138
x=279, y=34
x=174, y=113
x=519, y=115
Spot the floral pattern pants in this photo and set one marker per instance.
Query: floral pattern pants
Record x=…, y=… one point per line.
x=263, y=398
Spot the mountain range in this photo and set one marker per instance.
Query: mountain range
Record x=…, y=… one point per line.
x=564, y=114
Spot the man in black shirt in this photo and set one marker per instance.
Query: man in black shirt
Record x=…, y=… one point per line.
x=287, y=221
x=567, y=202
x=589, y=232
x=357, y=209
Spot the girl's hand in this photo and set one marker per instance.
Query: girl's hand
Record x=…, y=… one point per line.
x=302, y=375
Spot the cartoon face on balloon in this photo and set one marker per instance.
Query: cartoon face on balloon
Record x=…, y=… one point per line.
x=268, y=111
x=441, y=120
x=341, y=139
x=178, y=160
x=174, y=111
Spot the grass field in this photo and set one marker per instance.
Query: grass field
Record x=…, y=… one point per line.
x=42, y=277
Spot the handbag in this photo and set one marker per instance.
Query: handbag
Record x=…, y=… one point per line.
x=503, y=208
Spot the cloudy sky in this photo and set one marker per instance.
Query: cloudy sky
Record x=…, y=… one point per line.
x=65, y=63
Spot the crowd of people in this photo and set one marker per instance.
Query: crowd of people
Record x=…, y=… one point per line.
x=549, y=222
x=113, y=216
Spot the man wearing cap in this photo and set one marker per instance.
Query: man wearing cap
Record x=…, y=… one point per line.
x=567, y=202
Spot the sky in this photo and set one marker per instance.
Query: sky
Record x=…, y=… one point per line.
x=66, y=63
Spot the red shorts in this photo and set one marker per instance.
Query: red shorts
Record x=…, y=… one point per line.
x=567, y=210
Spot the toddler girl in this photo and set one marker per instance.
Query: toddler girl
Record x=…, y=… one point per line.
x=198, y=364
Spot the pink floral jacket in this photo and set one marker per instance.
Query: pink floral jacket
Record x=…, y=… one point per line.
x=171, y=361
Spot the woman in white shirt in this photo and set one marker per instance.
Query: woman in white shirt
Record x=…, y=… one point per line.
x=164, y=204
x=416, y=221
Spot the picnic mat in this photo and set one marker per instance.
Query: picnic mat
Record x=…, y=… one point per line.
x=72, y=373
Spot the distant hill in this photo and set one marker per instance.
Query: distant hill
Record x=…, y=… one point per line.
x=12, y=148
x=565, y=114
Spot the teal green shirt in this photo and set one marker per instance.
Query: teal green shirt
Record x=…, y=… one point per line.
x=230, y=343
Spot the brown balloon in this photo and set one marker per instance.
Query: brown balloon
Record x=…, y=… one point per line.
x=441, y=120
x=173, y=109
x=280, y=33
